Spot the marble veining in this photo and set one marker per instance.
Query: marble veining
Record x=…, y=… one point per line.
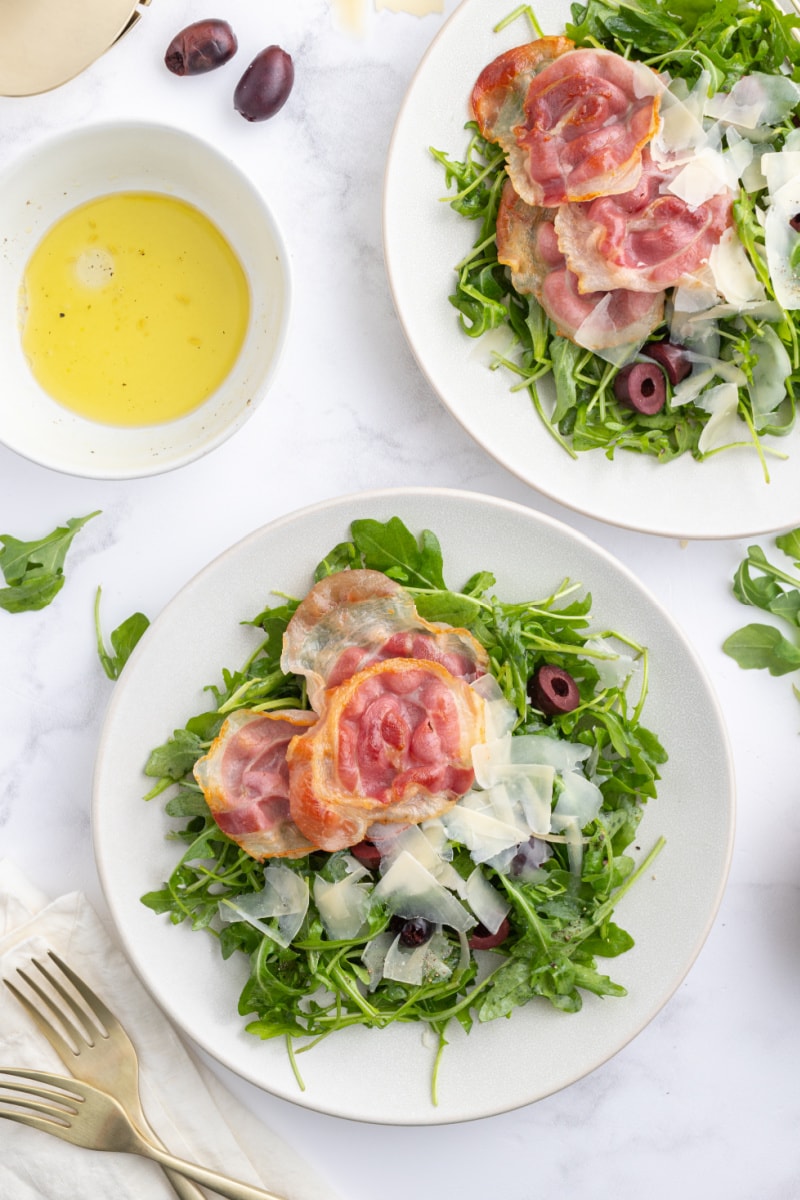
x=705, y=1101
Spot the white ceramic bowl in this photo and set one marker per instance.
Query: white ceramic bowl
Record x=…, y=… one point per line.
x=63, y=172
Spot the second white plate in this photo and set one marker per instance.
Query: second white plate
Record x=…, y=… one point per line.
x=726, y=496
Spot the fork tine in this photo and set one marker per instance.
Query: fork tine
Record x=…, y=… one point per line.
x=96, y=1005
x=62, y=1110
x=46, y=1026
x=43, y=1123
x=72, y=1088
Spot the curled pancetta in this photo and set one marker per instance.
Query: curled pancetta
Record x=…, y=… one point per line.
x=354, y=618
x=573, y=123
x=645, y=240
x=393, y=745
x=527, y=243
x=245, y=780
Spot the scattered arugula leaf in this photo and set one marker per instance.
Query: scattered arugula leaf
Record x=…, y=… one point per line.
x=765, y=585
x=34, y=571
x=123, y=640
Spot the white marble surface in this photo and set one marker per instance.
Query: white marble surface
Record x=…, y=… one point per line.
x=705, y=1102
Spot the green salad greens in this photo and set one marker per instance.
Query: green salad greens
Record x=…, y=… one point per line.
x=775, y=589
x=34, y=571
x=707, y=44
x=559, y=912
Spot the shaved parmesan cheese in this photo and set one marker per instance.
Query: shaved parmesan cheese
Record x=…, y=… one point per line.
x=486, y=902
x=344, y=905
x=501, y=716
x=612, y=666
x=706, y=175
x=409, y=890
x=413, y=840
x=754, y=100
x=598, y=331
x=579, y=799
x=284, y=896
x=483, y=834
x=681, y=134
x=417, y=964
x=574, y=841
x=725, y=426
x=770, y=372
x=779, y=168
x=734, y=275
x=539, y=748
x=374, y=956
x=780, y=240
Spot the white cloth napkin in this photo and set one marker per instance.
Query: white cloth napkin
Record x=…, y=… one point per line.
x=193, y=1114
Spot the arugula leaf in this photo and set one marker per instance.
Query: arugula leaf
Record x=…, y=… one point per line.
x=762, y=584
x=34, y=571
x=393, y=549
x=789, y=543
x=123, y=640
x=762, y=646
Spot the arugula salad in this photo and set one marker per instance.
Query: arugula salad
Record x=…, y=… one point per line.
x=730, y=72
x=525, y=918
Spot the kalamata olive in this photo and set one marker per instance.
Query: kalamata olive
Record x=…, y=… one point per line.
x=265, y=86
x=642, y=387
x=482, y=939
x=414, y=931
x=367, y=854
x=553, y=690
x=795, y=222
x=201, y=47
x=672, y=358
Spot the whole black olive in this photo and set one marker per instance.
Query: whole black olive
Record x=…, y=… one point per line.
x=642, y=387
x=414, y=931
x=553, y=690
x=265, y=86
x=671, y=357
x=201, y=47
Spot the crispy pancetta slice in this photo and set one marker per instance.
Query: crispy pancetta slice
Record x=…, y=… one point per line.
x=646, y=240
x=573, y=123
x=354, y=618
x=245, y=780
x=599, y=321
x=394, y=744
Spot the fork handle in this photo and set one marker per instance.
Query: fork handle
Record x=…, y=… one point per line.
x=183, y=1187
x=234, y=1189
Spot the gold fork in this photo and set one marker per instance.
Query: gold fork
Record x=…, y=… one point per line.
x=85, y=1116
x=103, y=1055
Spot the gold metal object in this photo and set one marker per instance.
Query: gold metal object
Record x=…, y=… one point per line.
x=85, y=1116
x=96, y=1050
x=47, y=42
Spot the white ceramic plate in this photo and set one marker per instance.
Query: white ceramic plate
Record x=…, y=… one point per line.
x=384, y=1076
x=424, y=239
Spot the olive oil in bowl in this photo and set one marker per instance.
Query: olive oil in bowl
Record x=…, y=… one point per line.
x=134, y=309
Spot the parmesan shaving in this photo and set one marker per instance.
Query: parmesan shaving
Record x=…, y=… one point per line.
x=409, y=890
x=486, y=902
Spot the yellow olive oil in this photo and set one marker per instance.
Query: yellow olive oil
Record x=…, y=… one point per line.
x=134, y=309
